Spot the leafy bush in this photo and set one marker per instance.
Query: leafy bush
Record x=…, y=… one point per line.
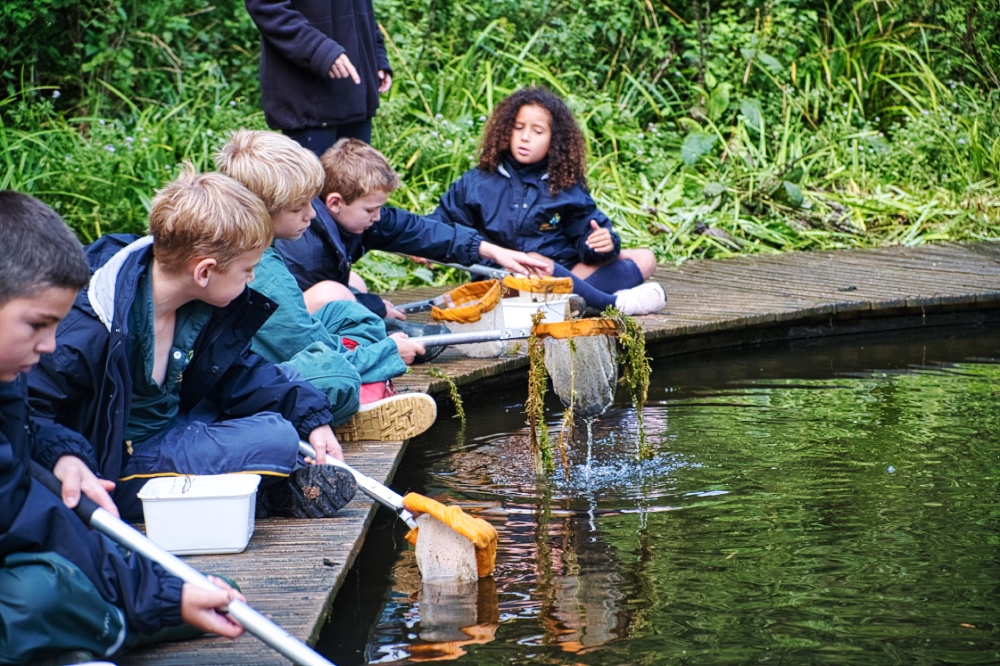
x=715, y=128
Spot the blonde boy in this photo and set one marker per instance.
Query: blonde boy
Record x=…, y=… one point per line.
x=286, y=177
x=153, y=365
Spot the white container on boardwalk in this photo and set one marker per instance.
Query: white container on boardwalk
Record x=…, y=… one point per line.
x=199, y=515
x=517, y=313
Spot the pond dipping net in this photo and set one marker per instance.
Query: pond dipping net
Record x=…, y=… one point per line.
x=584, y=372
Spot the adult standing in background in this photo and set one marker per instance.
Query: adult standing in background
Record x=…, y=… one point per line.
x=322, y=67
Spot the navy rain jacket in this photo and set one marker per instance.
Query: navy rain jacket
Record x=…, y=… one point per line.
x=326, y=252
x=34, y=520
x=515, y=208
x=85, y=384
x=300, y=41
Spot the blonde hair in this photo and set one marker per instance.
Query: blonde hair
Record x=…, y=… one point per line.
x=200, y=215
x=272, y=166
x=354, y=169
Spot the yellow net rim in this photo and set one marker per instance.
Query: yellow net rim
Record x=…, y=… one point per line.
x=542, y=285
x=577, y=328
x=467, y=304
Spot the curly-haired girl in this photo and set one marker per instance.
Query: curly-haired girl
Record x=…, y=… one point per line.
x=529, y=193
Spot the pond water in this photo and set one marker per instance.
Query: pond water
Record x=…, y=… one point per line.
x=824, y=502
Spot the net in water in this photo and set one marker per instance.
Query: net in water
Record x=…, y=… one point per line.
x=584, y=372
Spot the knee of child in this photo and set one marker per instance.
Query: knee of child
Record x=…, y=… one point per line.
x=355, y=281
x=644, y=260
x=324, y=292
x=35, y=588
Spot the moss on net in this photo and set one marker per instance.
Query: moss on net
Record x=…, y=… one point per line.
x=635, y=369
x=538, y=377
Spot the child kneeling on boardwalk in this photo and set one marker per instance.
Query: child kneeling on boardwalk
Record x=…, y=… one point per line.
x=287, y=177
x=66, y=593
x=529, y=193
x=154, y=366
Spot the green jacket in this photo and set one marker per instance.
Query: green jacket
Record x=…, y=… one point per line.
x=311, y=344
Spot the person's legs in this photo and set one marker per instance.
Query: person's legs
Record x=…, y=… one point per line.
x=614, y=276
x=348, y=319
x=316, y=139
x=331, y=373
x=362, y=131
x=264, y=443
x=595, y=298
x=325, y=292
x=48, y=606
x=643, y=258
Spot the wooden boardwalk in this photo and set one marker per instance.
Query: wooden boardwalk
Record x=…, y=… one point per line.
x=292, y=569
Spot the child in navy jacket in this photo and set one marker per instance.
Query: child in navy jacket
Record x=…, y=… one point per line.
x=529, y=193
x=64, y=588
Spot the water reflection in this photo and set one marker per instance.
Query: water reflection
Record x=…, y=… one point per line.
x=811, y=504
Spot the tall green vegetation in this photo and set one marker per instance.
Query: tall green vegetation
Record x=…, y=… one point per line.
x=713, y=128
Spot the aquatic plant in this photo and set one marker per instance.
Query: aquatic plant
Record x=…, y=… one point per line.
x=453, y=393
x=635, y=369
x=534, y=406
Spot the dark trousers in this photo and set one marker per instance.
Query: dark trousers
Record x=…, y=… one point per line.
x=318, y=139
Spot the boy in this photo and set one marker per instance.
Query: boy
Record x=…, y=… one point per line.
x=351, y=219
x=287, y=177
x=63, y=588
x=154, y=367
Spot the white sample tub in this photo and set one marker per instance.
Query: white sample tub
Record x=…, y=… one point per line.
x=198, y=515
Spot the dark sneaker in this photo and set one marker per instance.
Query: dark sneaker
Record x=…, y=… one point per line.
x=576, y=307
x=316, y=491
x=391, y=419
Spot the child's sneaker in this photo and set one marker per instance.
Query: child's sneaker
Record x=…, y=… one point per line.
x=647, y=298
x=392, y=419
x=315, y=491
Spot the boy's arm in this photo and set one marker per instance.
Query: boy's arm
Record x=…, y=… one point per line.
x=290, y=33
x=252, y=385
x=380, y=54
x=401, y=231
x=13, y=484
x=55, y=385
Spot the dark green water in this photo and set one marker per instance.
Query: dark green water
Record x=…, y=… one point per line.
x=832, y=502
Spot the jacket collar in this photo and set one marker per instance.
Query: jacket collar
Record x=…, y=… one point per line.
x=328, y=229
x=103, y=288
x=537, y=171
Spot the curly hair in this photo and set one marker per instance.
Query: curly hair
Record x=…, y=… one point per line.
x=567, y=157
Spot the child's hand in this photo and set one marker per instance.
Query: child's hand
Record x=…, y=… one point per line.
x=391, y=312
x=76, y=477
x=203, y=609
x=324, y=442
x=384, y=81
x=514, y=261
x=600, y=239
x=343, y=68
x=408, y=349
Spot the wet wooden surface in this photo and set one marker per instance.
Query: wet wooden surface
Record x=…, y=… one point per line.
x=292, y=569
